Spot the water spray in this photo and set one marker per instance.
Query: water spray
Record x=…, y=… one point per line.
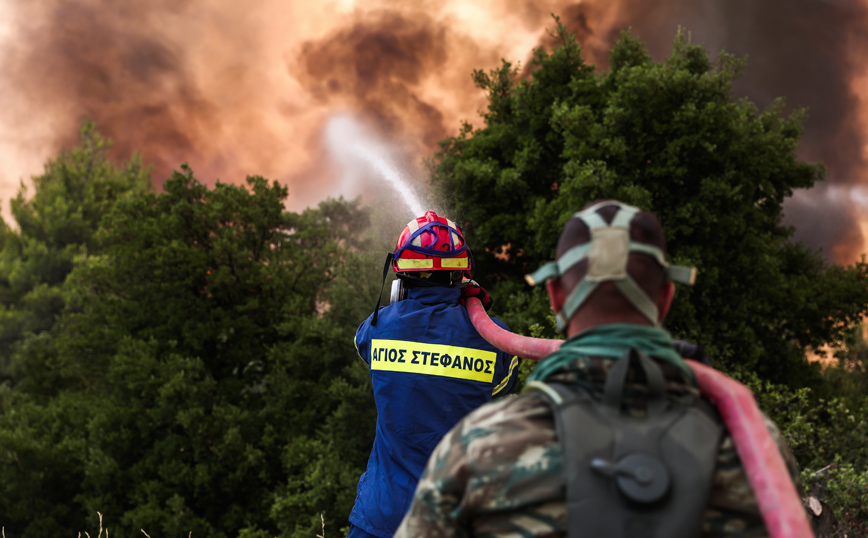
x=352, y=144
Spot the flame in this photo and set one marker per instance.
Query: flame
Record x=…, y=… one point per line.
x=234, y=91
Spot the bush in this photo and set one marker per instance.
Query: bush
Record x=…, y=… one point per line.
x=828, y=437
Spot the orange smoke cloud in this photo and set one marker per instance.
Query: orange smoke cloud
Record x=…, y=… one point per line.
x=183, y=84
x=234, y=91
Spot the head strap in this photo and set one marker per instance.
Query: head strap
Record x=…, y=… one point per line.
x=430, y=251
x=608, y=253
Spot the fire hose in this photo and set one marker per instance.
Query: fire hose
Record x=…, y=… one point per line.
x=766, y=471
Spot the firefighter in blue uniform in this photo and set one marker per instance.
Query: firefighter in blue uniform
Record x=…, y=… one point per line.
x=429, y=367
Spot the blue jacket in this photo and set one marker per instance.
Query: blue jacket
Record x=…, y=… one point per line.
x=429, y=368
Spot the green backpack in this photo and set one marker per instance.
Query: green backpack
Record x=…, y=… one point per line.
x=634, y=477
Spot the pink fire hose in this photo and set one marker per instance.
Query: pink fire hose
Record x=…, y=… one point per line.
x=766, y=471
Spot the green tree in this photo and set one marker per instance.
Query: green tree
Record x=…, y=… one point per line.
x=56, y=217
x=42, y=431
x=207, y=352
x=671, y=138
x=43, y=449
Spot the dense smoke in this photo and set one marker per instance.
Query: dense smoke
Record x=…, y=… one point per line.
x=180, y=81
x=813, y=52
x=407, y=74
x=115, y=66
x=378, y=66
x=234, y=90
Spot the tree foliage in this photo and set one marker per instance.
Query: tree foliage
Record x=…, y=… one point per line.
x=669, y=137
x=201, y=376
x=57, y=217
x=828, y=437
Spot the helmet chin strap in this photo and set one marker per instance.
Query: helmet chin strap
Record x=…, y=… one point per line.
x=382, y=287
x=608, y=253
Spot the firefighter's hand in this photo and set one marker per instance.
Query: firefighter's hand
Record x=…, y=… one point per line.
x=472, y=289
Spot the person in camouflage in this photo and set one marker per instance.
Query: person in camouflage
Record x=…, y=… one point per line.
x=498, y=472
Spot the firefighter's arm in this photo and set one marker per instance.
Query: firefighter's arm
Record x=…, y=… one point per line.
x=440, y=491
x=508, y=368
x=362, y=341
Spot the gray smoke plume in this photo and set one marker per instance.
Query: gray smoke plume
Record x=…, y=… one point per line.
x=813, y=52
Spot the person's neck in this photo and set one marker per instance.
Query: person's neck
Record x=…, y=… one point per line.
x=582, y=321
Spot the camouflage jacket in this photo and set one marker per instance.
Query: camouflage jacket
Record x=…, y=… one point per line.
x=498, y=472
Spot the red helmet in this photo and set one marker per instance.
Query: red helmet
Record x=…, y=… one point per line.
x=431, y=243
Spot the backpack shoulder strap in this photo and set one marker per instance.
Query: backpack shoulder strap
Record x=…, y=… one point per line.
x=581, y=435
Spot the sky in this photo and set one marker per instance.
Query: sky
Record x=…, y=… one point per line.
x=261, y=87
